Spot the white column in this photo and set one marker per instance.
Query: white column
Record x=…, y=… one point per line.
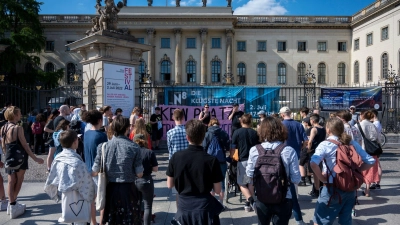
x=203, y=60
x=152, y=54
x=178, y=56
x=229, y=37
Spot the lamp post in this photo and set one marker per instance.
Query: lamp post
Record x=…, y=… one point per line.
x=145, y=83
x=228, y=76
x=309, y=86
x=76, y=75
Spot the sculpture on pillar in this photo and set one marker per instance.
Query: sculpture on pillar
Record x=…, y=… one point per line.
x=149, y=2
x=178, y=3
x=204, y=3
x=229, y=3
x=108, y=17
x=125, y=2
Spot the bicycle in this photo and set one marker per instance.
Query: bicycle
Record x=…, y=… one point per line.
x=382, y=139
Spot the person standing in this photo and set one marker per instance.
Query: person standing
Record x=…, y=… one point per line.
x=176, y=137
x=234, y=116
x=134, y=115
x=140, y=128
x=194, y=173
x=14, y=134
x=107, y=115
x=37, y=130
x=304, y=112
x=297, y=139
x=64, y=112
x=262, y=116
x=205, y=115
x=378, y=126
x=156, y=128
x=243, y=139
x=355, y=117
x=49, y=129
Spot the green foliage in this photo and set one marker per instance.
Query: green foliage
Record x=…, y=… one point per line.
x=31, y=78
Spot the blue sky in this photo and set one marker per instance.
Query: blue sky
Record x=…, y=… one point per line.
x=241, y=7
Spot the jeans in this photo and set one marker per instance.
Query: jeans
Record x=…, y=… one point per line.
x=279, y=213
x=296, y=207
x=39, y=142
x=146, y=187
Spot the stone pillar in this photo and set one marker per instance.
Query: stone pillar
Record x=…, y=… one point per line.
x=151, y=56
x=178, y=56
x=229, y=37
x=203, y=60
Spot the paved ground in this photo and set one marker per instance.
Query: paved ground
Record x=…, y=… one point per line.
x=382, y=208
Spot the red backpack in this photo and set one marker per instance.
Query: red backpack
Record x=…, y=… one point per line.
x=37, y=128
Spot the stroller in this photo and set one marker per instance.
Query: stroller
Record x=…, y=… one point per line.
x=231, y=185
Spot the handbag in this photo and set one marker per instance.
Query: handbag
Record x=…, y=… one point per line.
x=371, y=147
x=236, y=155
x=102, y=183
x=74, y=208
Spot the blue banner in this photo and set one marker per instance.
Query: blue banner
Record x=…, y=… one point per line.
x=253, y=98
x=333, y=99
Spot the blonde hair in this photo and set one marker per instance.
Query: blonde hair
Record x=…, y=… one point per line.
x=336, y=127
x=11, y=112
x=140, y=128
x=135, y=110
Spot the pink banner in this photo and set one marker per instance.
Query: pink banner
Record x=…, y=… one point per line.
x=193, y=112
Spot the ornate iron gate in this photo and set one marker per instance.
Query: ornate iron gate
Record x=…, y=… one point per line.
x=391, y=95
x=310, y=99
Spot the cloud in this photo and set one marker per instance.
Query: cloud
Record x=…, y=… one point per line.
x=261, y=7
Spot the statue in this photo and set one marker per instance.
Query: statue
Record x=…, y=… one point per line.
x=204, y=3
x=125, y=2
x=229, y=3
x=149, y=2
x=178, y=3
x=108, y=17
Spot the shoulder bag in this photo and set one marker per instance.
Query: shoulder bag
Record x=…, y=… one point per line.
x=371, y=147
x=102, y=182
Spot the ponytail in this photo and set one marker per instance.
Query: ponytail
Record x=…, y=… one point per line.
x=345, y=138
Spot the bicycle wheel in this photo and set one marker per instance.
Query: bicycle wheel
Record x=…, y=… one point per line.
x=382, y=139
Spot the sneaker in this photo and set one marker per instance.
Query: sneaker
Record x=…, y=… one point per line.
x=308, y=180
x=313, y=193
x=302, y=183
x=16, y=210
x=372, y=186
x=353, y=213
x=247, y=207
x=301, y=222
x=4, y=205
x=8, y=209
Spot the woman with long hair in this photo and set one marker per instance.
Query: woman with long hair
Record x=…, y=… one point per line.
x=134, y=116
x=140, y=128
x=145, y=184
x=49, y=129
x=123, y=163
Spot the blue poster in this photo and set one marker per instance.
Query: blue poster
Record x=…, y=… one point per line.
x=253, y=98
x=333, y=99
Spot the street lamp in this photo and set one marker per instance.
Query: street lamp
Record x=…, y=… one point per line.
x=228, y=76
x=145, y=76
x=391, y=91
x=76, y=75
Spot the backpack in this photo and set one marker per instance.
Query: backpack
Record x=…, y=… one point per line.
x=76, y=126
x=270, y=179
x=215, y=149
x=37, y=128
x=348, y=161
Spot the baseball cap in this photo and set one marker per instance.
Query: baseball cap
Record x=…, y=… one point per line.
x=235, y=104
x=284, y=109
x=352, y=106
x=262, y=112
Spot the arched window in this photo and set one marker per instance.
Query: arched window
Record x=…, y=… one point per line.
x=241, y=72
x=49, y=67
x=142, y=70
x=191, y=70
x=261, y=73
x=341, y=73
x=356, y=72
x=165, y=70
x=369, y=69
x=70, y=72
x=28, y=68
x=216, y=69
x=384, y=65
x=321, y=73
x=301, y=71
x=281, y=73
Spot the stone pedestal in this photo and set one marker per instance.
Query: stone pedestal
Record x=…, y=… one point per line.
x=115, y=51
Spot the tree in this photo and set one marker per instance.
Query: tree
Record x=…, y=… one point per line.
x=22, y=31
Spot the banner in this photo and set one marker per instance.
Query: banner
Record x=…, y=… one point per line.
x=333, y=99
x=119, y=86
x=253, y=98
x=193, y=112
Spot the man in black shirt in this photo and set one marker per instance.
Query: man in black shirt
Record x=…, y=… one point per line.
x=194, y=174
x=64, y=112
x=205, y=115
x=156, y=128
x=234, y=117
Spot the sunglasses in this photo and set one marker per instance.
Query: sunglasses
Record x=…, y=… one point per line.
x=206, y=107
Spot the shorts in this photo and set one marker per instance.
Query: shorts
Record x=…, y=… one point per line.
x=242, y=179
x=157, y=135
x=305, y=157
x=325, y=214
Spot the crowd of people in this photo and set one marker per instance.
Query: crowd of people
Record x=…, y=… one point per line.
x=87, y=147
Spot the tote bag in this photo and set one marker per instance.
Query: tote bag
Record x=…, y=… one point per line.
x=102, y=183
x=74, y=208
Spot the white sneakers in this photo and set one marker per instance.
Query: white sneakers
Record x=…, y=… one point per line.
x=16, y=210
x=3, y=205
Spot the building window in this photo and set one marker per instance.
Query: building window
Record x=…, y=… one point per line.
x=70, y=72
x=191, y=70
x=321, y=73
x=49, y=67
x=301, y=46
x=241, y=46
x=384, y=64
x=165, y=43
x=356, y=72
x=142, y=70
x=321, y=46
x=241, y=72
x=281, y=73
x=369, y=39
x=50, y=46
x=385, y=33
x=261, y=46
x=140, y=40
x=281, y=46
x=341, y=73
x=216, y=70
x=67, y=49
x=261, y=73
x=28, y=68
x=301, y=71
x=190, y=42
x=215, y=42
x=369, y=69
x=165, y=70
x=342, y=46
x=356, y=44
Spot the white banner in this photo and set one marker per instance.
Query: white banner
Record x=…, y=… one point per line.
x=119, y=87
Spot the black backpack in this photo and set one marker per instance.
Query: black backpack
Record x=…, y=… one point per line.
x=270, y=178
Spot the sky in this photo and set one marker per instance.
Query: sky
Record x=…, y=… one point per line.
x=240, y=7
